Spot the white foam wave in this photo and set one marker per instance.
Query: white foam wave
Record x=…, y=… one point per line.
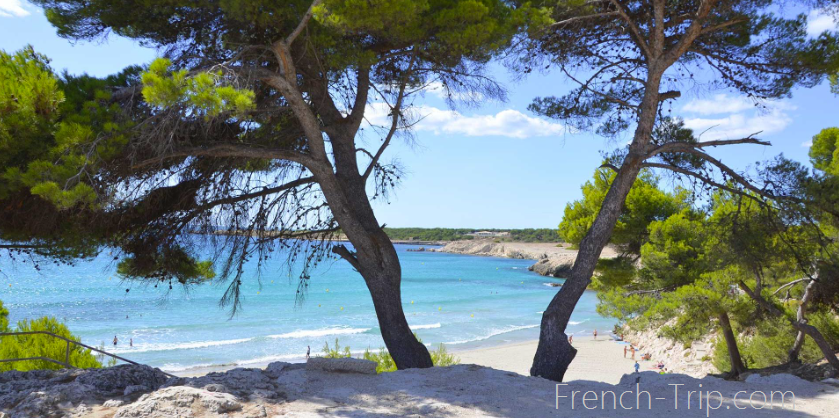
x=577, y=322
x=308, y=333
x=494, y=333
x=142, y=348
x=426, y=326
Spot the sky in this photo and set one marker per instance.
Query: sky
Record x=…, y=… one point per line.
x=497, y=165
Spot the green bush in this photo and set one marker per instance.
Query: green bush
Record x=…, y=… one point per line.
x=772, y=339
x=336, y=352
x=384, y=362
x=22, y=346
x=442, y=358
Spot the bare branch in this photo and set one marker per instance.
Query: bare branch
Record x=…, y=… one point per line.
x=347, y=255
x=303, y=22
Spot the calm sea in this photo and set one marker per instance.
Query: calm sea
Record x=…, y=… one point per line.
x=460, y=300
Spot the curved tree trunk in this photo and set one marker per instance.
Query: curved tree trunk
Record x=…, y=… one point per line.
x=737, y=367
x=796, y=348
x=374, y=257
x=800, y=323
x=554, y=353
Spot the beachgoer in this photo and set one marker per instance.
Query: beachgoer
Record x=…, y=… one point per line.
x=308, y=351
x=621, y=337
x=624, y=351
x=637, y=367
x=570, y=339
x=115, y=340
x=131, y=342
x=632, y=350
x=595, y=333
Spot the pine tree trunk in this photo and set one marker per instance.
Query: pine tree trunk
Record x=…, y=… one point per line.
x=374, y=258
x=796, y=348
x=406, y=351
x=554, y=353
x=737, y=367
x=800, y=323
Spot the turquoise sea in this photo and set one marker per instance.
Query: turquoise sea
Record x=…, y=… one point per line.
x=460, y=300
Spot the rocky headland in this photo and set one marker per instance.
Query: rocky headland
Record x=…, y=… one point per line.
x=553, y=260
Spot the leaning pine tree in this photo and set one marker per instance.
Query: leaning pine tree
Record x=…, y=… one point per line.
x=629, y=61
x=254, y=125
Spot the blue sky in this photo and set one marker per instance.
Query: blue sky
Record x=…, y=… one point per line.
x=496, y=166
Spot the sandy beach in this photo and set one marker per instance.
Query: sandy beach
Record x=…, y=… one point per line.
x=598, y=360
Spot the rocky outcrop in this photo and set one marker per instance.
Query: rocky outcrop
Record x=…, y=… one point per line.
x=341, y=365
x=58, y=393
x=553, y=260
x=553, y=267
x=464, y=391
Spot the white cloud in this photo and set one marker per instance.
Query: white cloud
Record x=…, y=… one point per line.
x=807, y=144
x=12, y=8
x=818, y=22
x=508, y=123
x=742, y=124
x=436, y=88
x=720, y=103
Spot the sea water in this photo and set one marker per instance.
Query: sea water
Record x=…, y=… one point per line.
x=462, y=301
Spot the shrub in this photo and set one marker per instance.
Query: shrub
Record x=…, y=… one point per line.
x=336, y=352
x=22, y=346
x=442, y=358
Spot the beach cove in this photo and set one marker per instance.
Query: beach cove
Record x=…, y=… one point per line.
x=466, y=302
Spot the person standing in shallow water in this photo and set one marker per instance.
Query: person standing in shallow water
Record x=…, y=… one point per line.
x=308, y=351
x=115, y=340
x=595, y=333
x=131, y=342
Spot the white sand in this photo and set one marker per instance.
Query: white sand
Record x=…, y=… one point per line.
x=598, y=360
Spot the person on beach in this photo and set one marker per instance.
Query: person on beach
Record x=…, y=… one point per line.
x=308, y=351
x=624, y=351
x=571, y=339
x=595, y=333
x=632, y=349
x=115, y=340
x=637, y=367
x=131, y=342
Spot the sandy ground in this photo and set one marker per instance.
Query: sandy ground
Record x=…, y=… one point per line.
x=598, y=360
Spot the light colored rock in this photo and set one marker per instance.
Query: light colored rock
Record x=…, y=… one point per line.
x=831, y=381
x=179, y=401
x=554, y=260
x=341, y=365
x=113, y=403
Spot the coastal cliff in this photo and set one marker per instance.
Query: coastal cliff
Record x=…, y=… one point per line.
x=553, y=260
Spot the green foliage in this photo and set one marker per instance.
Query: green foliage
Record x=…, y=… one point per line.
x=428, y=234
x=335, y=352
x=675, y=253
x=458, y=234
x=442, y=358
x=384, y=362
x=4, y=318
x=171, y=263
x=824, y=153
x=204, y=93
x=644, y=204
x=46, y=145
x=43, y=346
x=770, y=340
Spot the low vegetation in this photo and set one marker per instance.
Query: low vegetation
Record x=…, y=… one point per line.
x=384, y=362
x=26, y=346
